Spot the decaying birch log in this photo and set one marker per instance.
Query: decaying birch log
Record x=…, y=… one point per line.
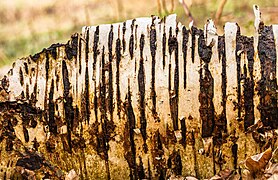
x=142, y=99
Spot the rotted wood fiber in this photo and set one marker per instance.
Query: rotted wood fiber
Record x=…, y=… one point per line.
x=143, y=99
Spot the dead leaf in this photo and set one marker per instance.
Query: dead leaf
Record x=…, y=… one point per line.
x=216, y=177
x=72, y=175
x=176, y=178
x=258, y=162
x=274, y=158
x=246, y=175
x=273, y=177
x=225, y=173
x=190, y=178
x=272, y=169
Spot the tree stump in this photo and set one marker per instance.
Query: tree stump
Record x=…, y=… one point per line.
x=142, y=99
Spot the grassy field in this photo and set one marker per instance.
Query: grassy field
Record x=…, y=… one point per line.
x=27, y=26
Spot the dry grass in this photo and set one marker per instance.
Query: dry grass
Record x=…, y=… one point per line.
x=27, y=26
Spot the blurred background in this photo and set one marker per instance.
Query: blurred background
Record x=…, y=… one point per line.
x=28, y=26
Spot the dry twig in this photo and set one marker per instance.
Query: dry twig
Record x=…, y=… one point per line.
x=159, y=7
x=219, y=10
x=164, y=6
x=186, y=10
x=172, y=6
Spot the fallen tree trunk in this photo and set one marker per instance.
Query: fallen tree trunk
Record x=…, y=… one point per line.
x=147, y=98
